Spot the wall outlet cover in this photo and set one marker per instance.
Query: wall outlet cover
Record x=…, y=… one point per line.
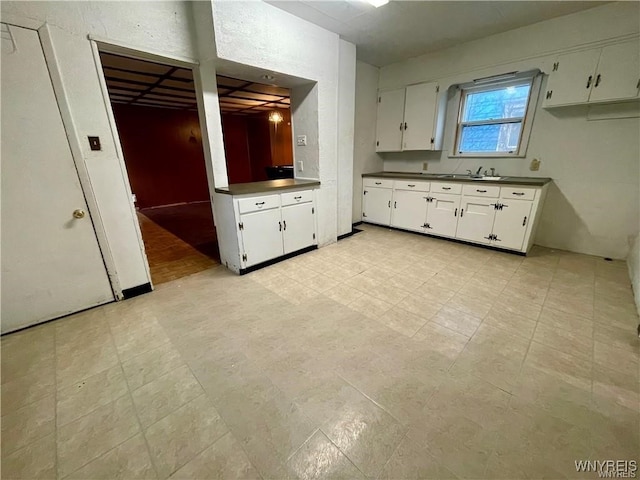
x=535, y=165
x=425, y=166
x=301, y=140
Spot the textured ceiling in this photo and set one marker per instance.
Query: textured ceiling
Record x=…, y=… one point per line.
x=150, y=84
x=405, y=29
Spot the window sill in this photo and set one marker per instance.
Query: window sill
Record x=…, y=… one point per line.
x=485, y=155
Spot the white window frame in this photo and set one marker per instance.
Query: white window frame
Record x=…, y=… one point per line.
x=490, y=83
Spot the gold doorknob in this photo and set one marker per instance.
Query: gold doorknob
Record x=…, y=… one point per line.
x=78, y=213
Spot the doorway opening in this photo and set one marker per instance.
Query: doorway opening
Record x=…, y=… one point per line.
x=156, y=114
x=256, y=127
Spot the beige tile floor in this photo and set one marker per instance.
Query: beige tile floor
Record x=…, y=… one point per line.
x=387, y=355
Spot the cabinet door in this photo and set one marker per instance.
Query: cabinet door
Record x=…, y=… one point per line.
x=511, y=223
x=572, y=80
x=390, y=121
x=618, y=74
x=298, y=227
x=419, y=116
x=376, y=205
x=409, y=210
x=261, y=236
x=442, y=214
x=475, y=220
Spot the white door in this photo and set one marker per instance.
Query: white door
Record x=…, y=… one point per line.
x=442, y=214
x=298, y=227
x=409, y=210
x=261, y=236
x=419, y=116
x=511, y=223
x=376, y=205
x=573, y=78
x=51, y=262
x=476, y=219
x=390, y=120
x=618, y=74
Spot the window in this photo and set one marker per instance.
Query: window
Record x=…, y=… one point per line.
x=495, y=116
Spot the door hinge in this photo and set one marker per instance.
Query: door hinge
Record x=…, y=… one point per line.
x=244, y=257
x=426, y=225
x=314, y=236
x=379, y=99
x=555, y=66
x=549, y=93
x=313, y=210
x=241, y=226
x=364, y=214
x=364, y=193
x=377, y=143
x=433, y=140
x=437, y=88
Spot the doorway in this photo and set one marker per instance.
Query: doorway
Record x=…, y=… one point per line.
x=155, y=110
x=256, y=127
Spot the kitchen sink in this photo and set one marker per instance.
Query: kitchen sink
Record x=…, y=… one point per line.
x=487, y=178
x=471, y=177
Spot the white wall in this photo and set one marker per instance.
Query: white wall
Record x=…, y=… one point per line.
x=163, y=27
x=365, y=158
x=265, y=37
x=346, y=117
x=593, y=205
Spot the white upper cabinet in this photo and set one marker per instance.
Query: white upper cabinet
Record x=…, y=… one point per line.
x=390, y=120
x=420, y=117
x=598, y=75
x=408, y=119
x=618, y=75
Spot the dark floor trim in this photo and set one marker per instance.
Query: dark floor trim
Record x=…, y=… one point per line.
x=357, y=223
x=454, y=240
x=135, y=291
x=244, y=271
x=351, y=233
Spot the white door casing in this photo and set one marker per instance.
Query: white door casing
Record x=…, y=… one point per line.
x=51, y=261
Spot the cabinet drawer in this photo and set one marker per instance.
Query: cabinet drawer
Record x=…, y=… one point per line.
x=409, y=185
x=377, y=182
x=253, y=204
x=446, y=187
x=523, y=193
x=292, y=198
x=481, y=190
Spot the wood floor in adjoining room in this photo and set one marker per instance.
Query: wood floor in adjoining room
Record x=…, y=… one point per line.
x=387, y=355
x=171, y=257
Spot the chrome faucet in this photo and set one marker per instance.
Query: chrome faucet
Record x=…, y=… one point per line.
x=479, y=170
x=470, y=172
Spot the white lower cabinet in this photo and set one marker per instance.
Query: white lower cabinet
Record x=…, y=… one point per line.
x=256, y=228
x=476, y=219
x=503, y=216
x=376, y=205
x=409, y=210
x=510, y=225
x=442, y=214
x=298, y=227
x=261, y=236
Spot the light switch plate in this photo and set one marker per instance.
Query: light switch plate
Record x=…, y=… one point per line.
x=301, y=140
x=300, y=166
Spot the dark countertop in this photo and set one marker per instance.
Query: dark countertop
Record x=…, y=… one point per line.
x=266, y=186
x=506, y=180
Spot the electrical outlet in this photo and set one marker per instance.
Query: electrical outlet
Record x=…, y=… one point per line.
x=300, y=166
x=425, y=166
x=301, y=140
x=535, y=165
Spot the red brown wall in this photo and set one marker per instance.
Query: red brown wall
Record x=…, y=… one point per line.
x=163, y=154
x=252, y=143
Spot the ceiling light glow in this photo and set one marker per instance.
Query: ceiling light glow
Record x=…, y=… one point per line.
x=377, y=3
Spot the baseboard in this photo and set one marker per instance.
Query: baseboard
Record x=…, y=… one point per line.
x=351, y=233
x=244, y=271
x=135, y=291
